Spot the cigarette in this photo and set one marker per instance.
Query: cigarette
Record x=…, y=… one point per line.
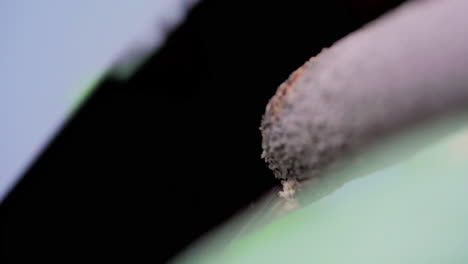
x=408, y=66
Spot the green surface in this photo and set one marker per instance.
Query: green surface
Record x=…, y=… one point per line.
x=404, y=201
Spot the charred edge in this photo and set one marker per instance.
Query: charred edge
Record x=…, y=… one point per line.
x=275, y=106
x=278, y=103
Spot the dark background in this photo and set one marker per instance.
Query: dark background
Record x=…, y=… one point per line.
x=151, y=163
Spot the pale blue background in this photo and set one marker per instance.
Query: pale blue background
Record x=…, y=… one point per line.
x=50, y=50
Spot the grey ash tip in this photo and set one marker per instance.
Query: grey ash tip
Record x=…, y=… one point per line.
x=298, y=141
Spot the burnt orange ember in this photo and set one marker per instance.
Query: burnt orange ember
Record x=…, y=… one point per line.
x=275, y=105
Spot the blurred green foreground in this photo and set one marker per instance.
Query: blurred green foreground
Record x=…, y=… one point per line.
x=403, y=201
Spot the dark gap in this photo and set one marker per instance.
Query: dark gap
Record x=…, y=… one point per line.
x=150, y=164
